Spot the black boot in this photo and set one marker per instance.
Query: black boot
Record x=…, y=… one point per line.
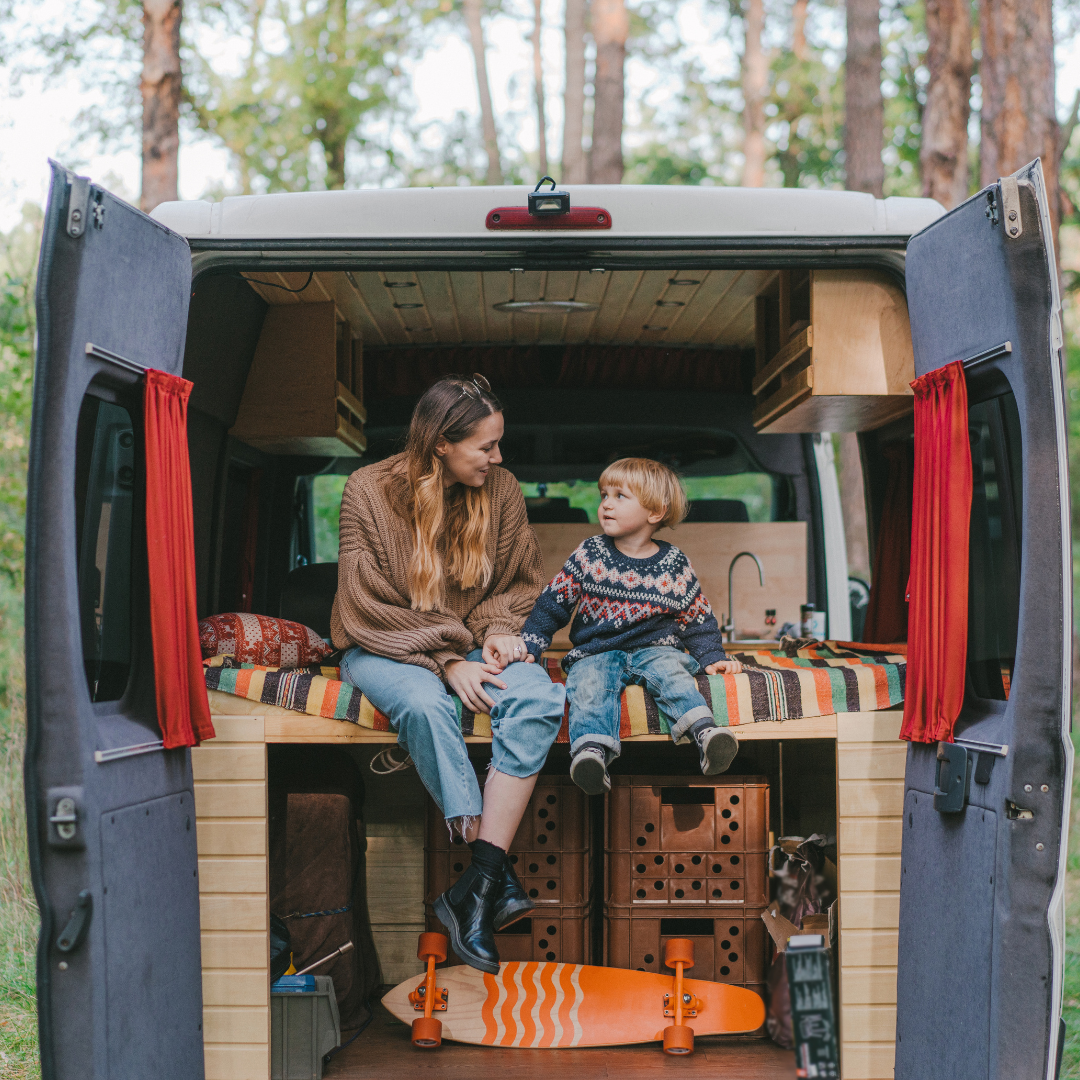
x=467, y=909
x=513, y=903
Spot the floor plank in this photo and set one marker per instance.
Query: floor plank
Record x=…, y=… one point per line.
x=384, y=1049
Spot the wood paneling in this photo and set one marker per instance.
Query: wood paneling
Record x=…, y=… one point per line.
x=237, y=1062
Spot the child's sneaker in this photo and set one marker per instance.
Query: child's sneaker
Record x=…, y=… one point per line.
x=589, y=770
x=718, y=748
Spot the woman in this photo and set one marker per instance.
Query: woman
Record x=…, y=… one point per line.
x=437, y=570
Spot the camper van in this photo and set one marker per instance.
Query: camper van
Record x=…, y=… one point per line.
x=728, y=332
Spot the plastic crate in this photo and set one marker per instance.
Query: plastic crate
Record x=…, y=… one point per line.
x=304, y=1026
x=654, y=878
x=730, y=947
x=558, y=934
x=693, y=814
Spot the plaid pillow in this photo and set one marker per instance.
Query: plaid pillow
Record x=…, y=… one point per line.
x=260, y=639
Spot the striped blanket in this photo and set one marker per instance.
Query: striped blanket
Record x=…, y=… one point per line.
x=817, y=680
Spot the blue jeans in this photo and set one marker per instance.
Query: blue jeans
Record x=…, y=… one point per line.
x=524, y=723
x=594, y=686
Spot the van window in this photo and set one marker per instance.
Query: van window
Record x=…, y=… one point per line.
x=104, y=494
x=326, y=496
x=994, y=574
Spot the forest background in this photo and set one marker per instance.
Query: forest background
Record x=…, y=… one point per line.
x=208, y=98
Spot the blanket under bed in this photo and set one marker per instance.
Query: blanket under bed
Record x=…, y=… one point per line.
x=815, y=680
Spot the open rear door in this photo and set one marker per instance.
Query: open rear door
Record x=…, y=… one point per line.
x=111, y=814
x=981, y=897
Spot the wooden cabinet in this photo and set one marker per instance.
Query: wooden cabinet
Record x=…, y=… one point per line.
x=833, y=352
x=303, y=393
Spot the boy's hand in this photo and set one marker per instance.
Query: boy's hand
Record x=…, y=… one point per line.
x=503, y=649
x=724, y=667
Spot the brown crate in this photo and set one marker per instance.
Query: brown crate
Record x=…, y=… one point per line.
x=649, y=879
x=549, y=877
x=688, y=813
x=728, y=947
x=557, y=934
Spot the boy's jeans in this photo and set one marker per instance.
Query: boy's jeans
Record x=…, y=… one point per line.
x=594, y=686
x=524, y=723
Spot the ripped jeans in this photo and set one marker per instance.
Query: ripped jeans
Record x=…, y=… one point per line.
x=524, y=723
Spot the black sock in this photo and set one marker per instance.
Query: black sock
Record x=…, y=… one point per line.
x=487, y=858
x=699, y=727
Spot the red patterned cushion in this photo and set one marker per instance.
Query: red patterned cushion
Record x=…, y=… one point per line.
x=259, y=639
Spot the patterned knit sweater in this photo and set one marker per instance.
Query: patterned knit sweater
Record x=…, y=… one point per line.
x=371, y=608
x=625, y=604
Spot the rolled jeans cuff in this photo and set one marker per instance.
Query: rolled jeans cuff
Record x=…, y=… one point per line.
x=685, y=722
x=611, y=745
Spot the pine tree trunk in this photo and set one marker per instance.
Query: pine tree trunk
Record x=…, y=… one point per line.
x=610, y=26
x=1018, y=121
x=853, y=505
x=573, y=153
x=471, y=9
x=944, y=153
x=798, y=28
x=755, y=85
x=160, y=87
x=863, y=110
x=538, y=78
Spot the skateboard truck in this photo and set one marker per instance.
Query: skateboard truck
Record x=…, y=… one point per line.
x=679, y=1037
x=426, y=1030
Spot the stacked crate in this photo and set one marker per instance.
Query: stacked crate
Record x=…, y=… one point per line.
x=688, y=857
x=550, y=855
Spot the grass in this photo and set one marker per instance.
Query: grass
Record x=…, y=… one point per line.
x=18, y=912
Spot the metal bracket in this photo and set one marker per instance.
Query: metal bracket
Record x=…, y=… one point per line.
x=71, y=937
x=992, y=207
x=442, y=995
x=691, y=1005
x=63, y=810
x=953, y=778
x=78, y=205
x=1010, y=205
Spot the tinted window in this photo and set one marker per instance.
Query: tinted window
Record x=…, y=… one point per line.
x=105, y=485
x=994, y=574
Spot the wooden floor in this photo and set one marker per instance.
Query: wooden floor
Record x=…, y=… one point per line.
x=384, y=1050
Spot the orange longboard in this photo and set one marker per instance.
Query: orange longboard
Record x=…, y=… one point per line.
x=550, y=1006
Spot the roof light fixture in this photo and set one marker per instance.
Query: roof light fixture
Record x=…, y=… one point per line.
x=544, y=307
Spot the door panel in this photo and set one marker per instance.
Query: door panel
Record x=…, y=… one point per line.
x=972, y=288
x=119, y=986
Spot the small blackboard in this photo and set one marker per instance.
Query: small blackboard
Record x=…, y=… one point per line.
x=813, y=1017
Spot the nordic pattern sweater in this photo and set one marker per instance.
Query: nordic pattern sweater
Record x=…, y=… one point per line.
x=625, y=604
x=371, y=608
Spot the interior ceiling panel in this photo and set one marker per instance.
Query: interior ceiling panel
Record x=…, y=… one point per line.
x=703, y=308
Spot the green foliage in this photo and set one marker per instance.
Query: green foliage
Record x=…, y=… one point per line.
x=326, y=493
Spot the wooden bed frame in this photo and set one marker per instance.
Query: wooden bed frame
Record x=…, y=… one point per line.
x=231, y=819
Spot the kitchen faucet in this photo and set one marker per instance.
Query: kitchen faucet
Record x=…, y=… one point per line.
x=729, y=626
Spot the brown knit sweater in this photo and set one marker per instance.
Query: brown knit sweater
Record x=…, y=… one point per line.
x=371, y=608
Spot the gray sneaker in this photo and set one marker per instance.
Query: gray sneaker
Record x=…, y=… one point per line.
x=718, y=748
x=589, y=770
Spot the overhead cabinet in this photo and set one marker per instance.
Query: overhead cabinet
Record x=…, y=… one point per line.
x=303, y=393
x=833, y=352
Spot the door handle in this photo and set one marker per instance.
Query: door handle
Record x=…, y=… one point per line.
x=953, y=778
x=72, y=936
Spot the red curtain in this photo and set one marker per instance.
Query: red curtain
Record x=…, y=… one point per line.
x=887, y=612
x=938, y=589
x=183, y=708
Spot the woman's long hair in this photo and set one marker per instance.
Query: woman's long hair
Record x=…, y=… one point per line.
x=449, y=410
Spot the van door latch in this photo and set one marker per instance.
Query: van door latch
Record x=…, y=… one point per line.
x=63, y=809
x=953, y=778
x=71, y=937
x=1017, y=813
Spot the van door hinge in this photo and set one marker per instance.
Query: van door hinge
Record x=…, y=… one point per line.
x=78, y=205
x=72, y=936
x=65, y=819
x=1010, y=206
x=953, y=778
x=992, y=207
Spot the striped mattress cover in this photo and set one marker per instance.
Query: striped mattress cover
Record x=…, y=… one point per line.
x=816, y=680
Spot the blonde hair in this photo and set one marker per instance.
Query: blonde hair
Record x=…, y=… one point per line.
x=656, y=487
x=449, y=410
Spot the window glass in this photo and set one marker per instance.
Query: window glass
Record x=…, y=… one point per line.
x=326, y=495
x=994, y=567
x=105, y=485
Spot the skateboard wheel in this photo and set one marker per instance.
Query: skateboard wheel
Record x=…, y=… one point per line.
x=676, y=949
x=427, y=1031
x=432, y=945
x=678, y=1039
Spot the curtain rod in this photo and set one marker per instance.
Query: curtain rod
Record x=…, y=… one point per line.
x=1004, y=349
x=99, y=353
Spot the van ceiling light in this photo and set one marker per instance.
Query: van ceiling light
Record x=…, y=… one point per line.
x=400, y=284
x=682, y=281
x=544, y=307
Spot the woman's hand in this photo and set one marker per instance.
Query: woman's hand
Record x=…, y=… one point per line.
x=467, y=678
x=724, y=667
x=504, y=649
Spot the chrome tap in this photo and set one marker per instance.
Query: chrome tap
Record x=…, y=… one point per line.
x=729, y=624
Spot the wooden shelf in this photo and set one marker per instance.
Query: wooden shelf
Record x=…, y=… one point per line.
x=833, y=352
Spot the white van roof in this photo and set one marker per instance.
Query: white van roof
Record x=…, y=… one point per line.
x=461, y=212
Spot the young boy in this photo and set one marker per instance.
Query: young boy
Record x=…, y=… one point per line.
x=640, y=606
